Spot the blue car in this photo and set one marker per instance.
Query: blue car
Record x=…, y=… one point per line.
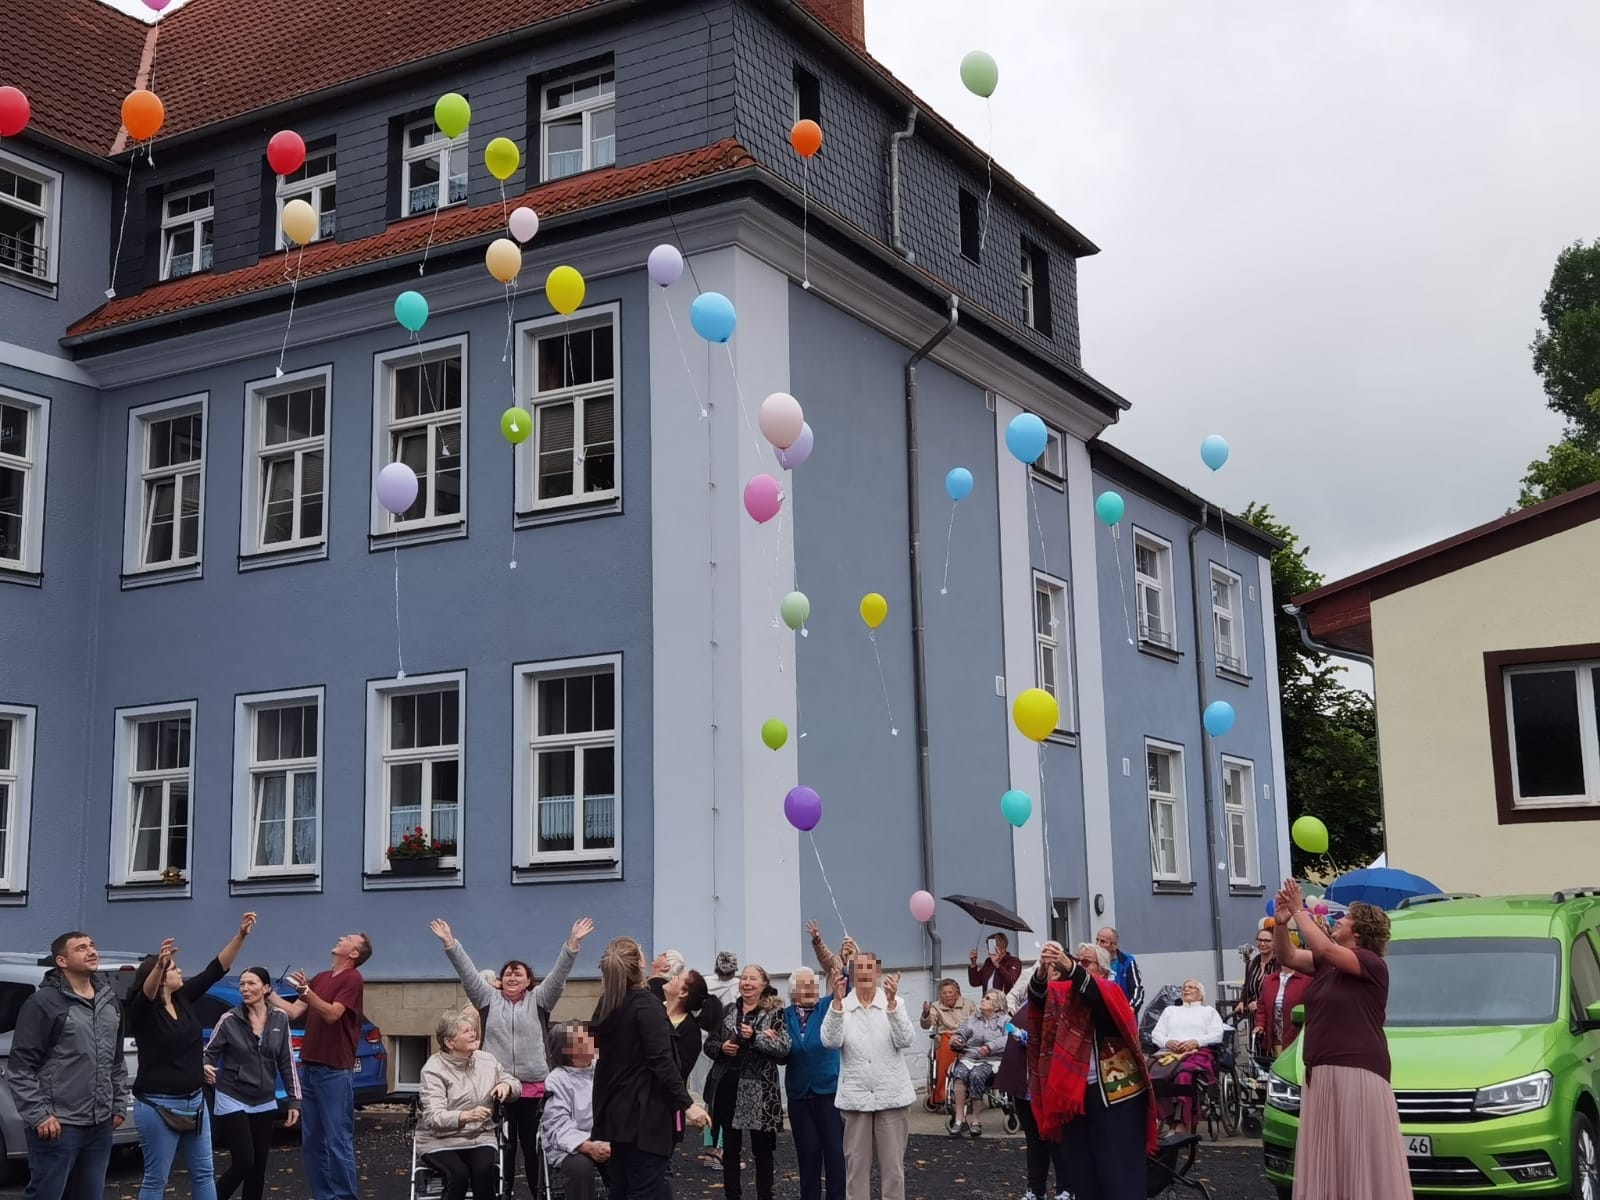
x=372, y=1060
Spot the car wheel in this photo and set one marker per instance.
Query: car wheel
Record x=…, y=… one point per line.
x=1585, y=1165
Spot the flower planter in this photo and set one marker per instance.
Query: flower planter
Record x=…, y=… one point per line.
x=421, y=865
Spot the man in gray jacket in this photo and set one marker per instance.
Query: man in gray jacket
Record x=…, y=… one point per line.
x=68, y=1076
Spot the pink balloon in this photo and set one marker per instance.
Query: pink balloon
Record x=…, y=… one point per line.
x=762, y=498
x=524, y=224
x=781, y=419
x=922, y=906
x=801, y=450
x=156, y=5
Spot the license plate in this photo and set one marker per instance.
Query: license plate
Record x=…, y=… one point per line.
x=1419, y=1147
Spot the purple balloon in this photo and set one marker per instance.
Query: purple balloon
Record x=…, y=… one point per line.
x=397, y=487
x=666, y=265
x=803, y=807
x=801, y=450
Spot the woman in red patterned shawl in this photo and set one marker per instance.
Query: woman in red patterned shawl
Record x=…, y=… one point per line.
x=1087, y=1077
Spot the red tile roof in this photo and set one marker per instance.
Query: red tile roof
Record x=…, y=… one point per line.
x=75, y=60
x=454, y=225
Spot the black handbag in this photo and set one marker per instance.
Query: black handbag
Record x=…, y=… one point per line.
x=179, y=1120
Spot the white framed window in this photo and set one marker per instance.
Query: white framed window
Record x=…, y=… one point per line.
x=152, y=813
x=1025, y=279
x=569, y=769
x=428, y=160
x=166, y=487
x=416, y=731
x=807, y=96
x=1227, y=626
x=24, y=446
x=571, y=377
x=1152, y=583
x=1053, y=642
x=1553, y=739
x=277, y=799
x=1169, y=835
x=1239, y=811
x=1051, y=466
x=30, y=225
x=315, y=183
x=578, y=116
x=16, y=796
x=186, y=232
x=285, y=464
x=420, y=398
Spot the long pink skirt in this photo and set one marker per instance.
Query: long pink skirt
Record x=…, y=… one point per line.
x=1349, y=1145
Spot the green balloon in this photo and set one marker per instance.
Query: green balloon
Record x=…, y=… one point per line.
x=452, y=114
x=774, y=733
x=1310, y=834
x=795, y=609
x=515, y=425
x=980, y=73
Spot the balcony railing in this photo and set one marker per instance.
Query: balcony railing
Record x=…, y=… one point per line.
x=28, y=257
x=1155, y=635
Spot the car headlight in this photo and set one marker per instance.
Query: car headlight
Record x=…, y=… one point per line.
x=1527, y=1094
x=1283, y=1095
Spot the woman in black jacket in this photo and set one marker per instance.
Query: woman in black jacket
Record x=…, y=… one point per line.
x=248, y=1052
x=638, y=1092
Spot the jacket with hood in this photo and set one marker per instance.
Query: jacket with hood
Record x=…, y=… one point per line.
x=248, y=1067
x=66, y=1055
x=513, y=1033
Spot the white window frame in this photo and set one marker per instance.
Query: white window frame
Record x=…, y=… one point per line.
x=586, y=110
x=606, y=862
x=1231, y=612
x=384, y=365
x=1161, y=584
x=379, y=692
x=1177, y=802
x=528, y=335
x=1025, y=278
x=1050, y=468
x=248, y=769
x=17, y=778
x=252, y=510
x=200, y=222
x=447, y=152
x=309, y=188
x=139, y=420
x=49, y=213
x=1056, y=643
x=1239, y=811
x=123, y=783
x=33, y=465
x=1588, y=734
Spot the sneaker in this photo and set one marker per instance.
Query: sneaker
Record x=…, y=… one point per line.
x=1063, y=1196
x=958, y=1129
x=975, y=1129
x=1028, y=1195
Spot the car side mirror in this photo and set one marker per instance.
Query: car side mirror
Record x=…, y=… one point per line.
x=1591, y=1015
x=1298, y=1014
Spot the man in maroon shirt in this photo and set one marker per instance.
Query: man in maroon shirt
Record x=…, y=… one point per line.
x=331, y=1007
x=1000, y=970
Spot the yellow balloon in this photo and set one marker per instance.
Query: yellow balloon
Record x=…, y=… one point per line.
x=501, y=156
x=504, y=259
x=299, y=222
x=1036, y=713
x=874, y=608
x=564, y=289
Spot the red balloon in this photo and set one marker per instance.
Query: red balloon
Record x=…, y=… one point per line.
x=14, y=111
x=286, y=152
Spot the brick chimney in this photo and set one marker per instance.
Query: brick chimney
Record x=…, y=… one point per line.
x=846, y=17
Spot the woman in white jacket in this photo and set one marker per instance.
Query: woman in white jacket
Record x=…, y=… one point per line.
x=871, y=1030
x=455, y=1127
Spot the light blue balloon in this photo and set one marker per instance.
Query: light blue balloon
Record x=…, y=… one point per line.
x=411, y=310
x=1108, y=506
x=1214, y=451
x=1272, y=907
x=1026, y=437
x=958, y=484
x=712, y=316
x=1218, y=717
x=1016, y=807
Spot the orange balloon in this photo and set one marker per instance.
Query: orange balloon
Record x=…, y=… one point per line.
x=142, y=115
x=806, y=137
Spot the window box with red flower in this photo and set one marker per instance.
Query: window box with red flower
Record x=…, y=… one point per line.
x=418, y=854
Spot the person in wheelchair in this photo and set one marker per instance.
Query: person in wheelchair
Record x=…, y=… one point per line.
x=1187, y=1037
x=567, y=1123
x=942, y=1018
x=980, y=1041
x=456, y=1126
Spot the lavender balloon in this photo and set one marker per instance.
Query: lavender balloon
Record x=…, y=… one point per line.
x=397, y=487
x=666, y=265
x=803, y=807
x=801, y=450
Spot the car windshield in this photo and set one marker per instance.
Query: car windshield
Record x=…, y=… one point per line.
x=1473, y=981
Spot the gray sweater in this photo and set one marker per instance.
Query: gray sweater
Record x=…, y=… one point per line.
x=568, y=1117
x=513, y=1033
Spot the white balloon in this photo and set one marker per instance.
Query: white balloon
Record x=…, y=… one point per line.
x=781, y=420
x=524, y=224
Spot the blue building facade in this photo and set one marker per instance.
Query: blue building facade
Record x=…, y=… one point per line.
x=229, y=679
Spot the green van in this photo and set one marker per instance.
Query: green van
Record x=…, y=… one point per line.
x=1494, y=1034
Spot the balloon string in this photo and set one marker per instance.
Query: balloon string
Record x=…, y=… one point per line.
x=422, y=267
x=834, y=900
x=294, y=294
x=127, y=195
x=872, y=636
x=743, y=407
x=1038, y=523
x=505, y=351
x=1127, y=625
x=805, y=224
x=694, y=387
x=1044, y=828
x=399, y=649
x=513, y=508
x=944, y=588
x=983, y=225
x=772, y=590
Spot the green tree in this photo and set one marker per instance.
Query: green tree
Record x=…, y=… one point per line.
x=1566, y=356
x=1330, y=731
x=1570, y=463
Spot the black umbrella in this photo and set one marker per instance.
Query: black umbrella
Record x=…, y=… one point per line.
x=987, y=912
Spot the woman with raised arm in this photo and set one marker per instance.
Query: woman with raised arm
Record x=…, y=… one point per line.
x=869, y=1027
x=1349, y=1146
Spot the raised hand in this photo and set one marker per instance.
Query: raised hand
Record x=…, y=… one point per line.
x=246, y=924
x=441, y=930
x=848, y=948
x=891, y=986
x=972, y=957
x=581, y=928
x=838, y=985
x=1292, y=893
x=164, y=956
x=813, y=929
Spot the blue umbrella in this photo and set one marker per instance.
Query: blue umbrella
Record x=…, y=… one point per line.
x=1383, y=886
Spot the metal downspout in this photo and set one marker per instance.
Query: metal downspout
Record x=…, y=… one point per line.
x=1212, y=870
x=919, y=661
x=894, y=189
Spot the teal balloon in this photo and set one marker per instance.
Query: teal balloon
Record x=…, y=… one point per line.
x=980, y=73
x=411, y=310
x=1016, y=807
x=1218, y=717
x=1214, y=451
x=1026, y=437
x=958, y=484
x=1108, y=507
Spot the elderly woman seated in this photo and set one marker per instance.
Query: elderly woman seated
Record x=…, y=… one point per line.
x=567, y=1121
x=1186, y=1037
x=455, y=1126
x=980, y=1041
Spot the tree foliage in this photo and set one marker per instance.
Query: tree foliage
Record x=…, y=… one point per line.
x=1330, y=731
x=1570, y=463
x=1566, y=356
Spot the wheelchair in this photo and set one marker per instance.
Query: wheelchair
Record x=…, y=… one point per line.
x=426, y=1181
x=993, y=1098
x=550, y=1184
x=1217, y=1103
x=934, y=1095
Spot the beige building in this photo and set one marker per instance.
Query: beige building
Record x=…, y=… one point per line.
x=1486, y=656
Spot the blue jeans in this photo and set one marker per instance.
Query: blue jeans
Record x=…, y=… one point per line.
x=69, y=1167
x=328, y=1131
x=161, y=1145
x=819, y=1145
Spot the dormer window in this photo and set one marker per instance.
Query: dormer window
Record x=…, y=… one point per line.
x=428, y=158
x=579, y=119
x=186, y=232
x=313, y=183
